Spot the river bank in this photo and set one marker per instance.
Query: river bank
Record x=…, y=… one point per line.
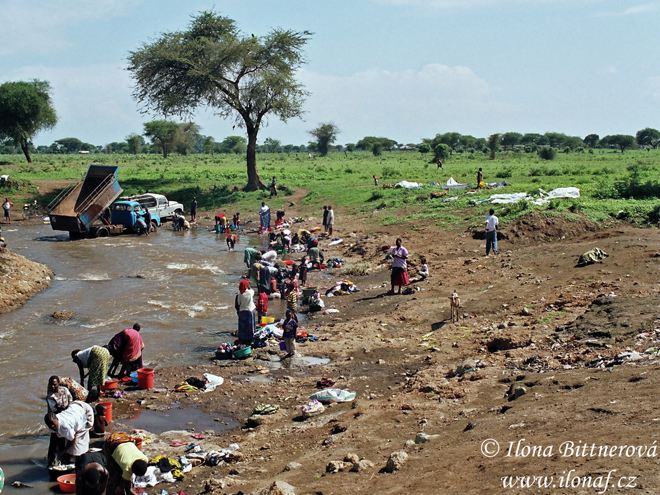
x=21, y=279
x=538, y=358
x=533, y=360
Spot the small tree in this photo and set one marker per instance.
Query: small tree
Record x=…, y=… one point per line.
x=591, y=140
x=424, y=148
x=441, y=152
x=493, y=144
x=25, y=110
x=377, y=149
x=163, y=133
x=186, y=136
x=325, y=135
x=350, y=147
x=648, y=137
x=547, y=153
x=134, y=143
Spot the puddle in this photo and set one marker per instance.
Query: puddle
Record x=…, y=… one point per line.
x=158, y=422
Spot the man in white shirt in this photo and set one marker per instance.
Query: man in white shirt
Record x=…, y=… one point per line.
x=491, y=232
x=331, y=219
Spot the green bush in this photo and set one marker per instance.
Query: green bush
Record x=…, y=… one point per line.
x=505, y=173
x=548, y=153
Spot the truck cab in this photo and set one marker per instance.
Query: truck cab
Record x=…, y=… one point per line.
x=157, y=203
x=127, y=213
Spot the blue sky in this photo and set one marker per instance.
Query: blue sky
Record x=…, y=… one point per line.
x=403, y=69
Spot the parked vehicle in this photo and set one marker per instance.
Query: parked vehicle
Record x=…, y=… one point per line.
x=157, y=203
x=125, y=215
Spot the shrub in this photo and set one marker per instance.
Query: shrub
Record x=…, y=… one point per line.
x=536, y=172
x=504, y=173
x=548, y=153
x=388, y=172
x=356, y=270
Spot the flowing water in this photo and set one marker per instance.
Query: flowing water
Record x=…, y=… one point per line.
x=179, y=286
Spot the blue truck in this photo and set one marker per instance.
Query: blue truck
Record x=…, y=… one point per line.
x=88, y=208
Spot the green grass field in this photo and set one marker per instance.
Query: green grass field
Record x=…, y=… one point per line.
x=607, y=179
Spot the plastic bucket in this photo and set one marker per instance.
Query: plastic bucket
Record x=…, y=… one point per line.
x=308, y=291
x=108, y=411
x=282, y=346
x=110, y=385
x=145, y=378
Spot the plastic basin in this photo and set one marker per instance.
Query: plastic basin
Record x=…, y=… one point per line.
x=67, y=483
x=242, y=353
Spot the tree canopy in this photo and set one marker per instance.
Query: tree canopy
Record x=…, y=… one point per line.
x=367, y=143
x=163, y=133
x=25, y=110
x=623, y=141
x=648, y=137
x=213, y=64
x=325, y=134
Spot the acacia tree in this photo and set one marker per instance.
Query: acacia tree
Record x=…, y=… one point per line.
x=325, y=135
x=648, y=137
x=213, y=64
x=25, y=110
x=163, y=133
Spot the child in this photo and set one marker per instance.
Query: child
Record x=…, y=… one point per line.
x=291, y=298
x=423, y=272
x=262, y=305
x=302, y=273
x=290, y=327
x=100, y=423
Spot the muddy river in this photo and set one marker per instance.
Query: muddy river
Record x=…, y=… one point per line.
x=179, y=286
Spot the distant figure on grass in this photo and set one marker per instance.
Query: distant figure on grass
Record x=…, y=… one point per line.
x=6, y=206
x=399, y=276
x=375, y=181
x=439, y=162
x=231, y=241
x=264, y=216
x=193, y=209
x=491, y=232
x=273, y=188
x=480, y=177
x=325, y=218
x=245, y=307
x=331, y=220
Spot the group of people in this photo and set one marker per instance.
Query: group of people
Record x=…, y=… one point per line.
x=72, y=419
x=328, y=219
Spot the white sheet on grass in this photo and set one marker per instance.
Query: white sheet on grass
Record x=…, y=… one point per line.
x=545, y=197
x=408, y=185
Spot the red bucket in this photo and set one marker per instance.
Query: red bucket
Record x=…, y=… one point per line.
x=108, y=411
x=145, y=378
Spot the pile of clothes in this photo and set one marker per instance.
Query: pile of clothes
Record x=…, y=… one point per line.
x=208, y=384
x=224, y=350
x=342, y=288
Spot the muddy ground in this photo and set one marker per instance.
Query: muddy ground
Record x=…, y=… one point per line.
x=532, y=362
x=20, y=279
x=545, y=354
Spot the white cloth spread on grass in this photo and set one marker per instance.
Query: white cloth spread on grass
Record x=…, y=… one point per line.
x=408, y=185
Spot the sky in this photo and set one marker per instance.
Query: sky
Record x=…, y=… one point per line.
x=402, y=69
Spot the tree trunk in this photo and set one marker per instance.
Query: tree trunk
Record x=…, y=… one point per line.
x=26, y=149
x=254, y=182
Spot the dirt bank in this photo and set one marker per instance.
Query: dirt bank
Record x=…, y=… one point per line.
x=20, y=279
x=545, y=354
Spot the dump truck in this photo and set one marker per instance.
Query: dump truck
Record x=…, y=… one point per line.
x=84, y=209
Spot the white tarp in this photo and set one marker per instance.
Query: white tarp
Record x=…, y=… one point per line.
x=452, y=182
x=408, y=185
x=561, y=192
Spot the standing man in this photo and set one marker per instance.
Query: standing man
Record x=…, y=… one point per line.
x=193, y=209
x=273, y=188
x=264, y=216
x=439, y=162
x=331, y=220
x=480, y=177
x=325, y=219
x=147, y=219
x=6, y=206
x=491, y=231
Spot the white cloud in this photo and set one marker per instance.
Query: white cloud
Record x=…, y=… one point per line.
x=636, y=10
x=45, y=26
x=405, y=106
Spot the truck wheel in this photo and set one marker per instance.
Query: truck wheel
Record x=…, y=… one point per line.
x=102, y=232
x=74, y=236
x=154, y=225
x=178, y=211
